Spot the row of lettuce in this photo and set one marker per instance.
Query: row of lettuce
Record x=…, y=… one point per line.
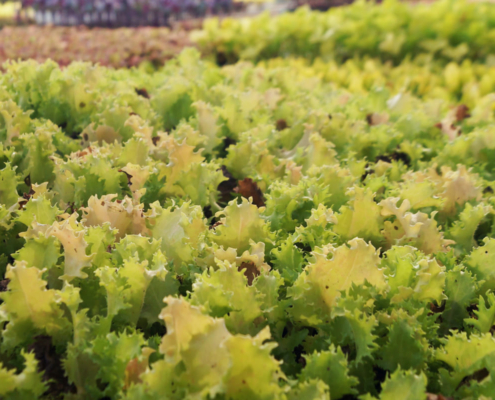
x=146, y=47
x=360, y=265
x=393, y=31
x=449, y=30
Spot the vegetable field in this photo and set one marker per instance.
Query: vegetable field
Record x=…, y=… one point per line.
x=118, y=48
x=311, y=220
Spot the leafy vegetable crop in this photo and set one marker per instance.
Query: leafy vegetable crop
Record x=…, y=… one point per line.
x=449, y=30
x=119, y=48
x=245, y=232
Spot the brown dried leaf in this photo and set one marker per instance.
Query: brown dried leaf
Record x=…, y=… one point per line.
x=216, y=224
x=143, y=92
x=136, y=367
x=155, y=140
x=450, y=130
x=249, y=188
x=250, y=272
x=281, y=125
x=377, y=119
x=462, y=112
